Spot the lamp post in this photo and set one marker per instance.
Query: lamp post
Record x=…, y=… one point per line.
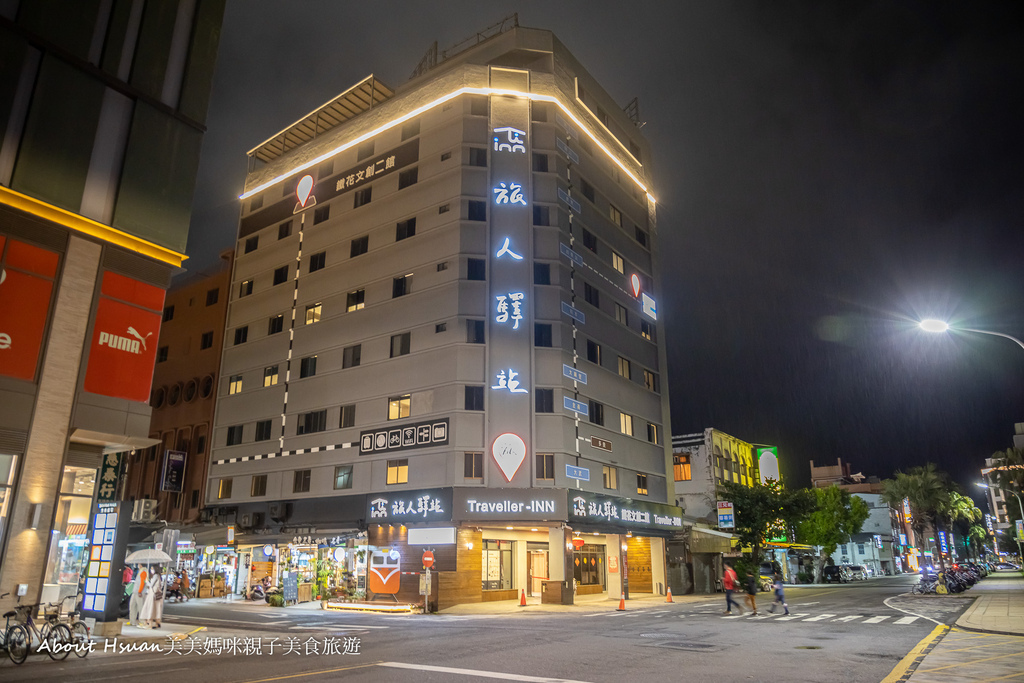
x=932, y=325
x=1016, y=495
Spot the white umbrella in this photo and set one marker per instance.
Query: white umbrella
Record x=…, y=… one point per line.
x=148, y=555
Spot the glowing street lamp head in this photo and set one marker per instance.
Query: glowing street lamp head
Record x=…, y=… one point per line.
x=932, y=325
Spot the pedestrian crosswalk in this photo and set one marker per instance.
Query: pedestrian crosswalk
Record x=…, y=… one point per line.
x=822, y=617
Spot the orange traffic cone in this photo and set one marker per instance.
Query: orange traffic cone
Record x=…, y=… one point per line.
x=669, y=598
x=522, y=599
x=622, y=603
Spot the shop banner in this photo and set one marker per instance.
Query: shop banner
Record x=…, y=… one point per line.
x=173, y=472
x=481, y=504
x=627, y=513
x=26, y=286
x=402, y=507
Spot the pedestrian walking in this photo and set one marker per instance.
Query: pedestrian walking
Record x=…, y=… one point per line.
x=138, y=596
x=780, y=596
x=729, y=583
x=752, y=591
x=153, y=606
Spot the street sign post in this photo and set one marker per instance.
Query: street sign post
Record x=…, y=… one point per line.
x=726, y=518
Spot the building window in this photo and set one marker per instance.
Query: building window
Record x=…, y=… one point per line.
x=168, y=313
x=408, y=177
x=313, y=312
x=650, y=380
x=161, y=354
x=224, y=489
x=681, y=466
x=477, y=157
x=251, y=244
x=587, y=189
x=312, y=422
x=321, y=213
x=410, y=130
x=652, y=434
x=235, y=384
x=362, y=197
x=348, y=416
x=496, y=565
x=444, y=208
x=245, y=289
x=317, y=261
x=212, y=296
x=593, y=352
x=474, y=398
x=284, y=230
x=446, y=156
x=442, y=266
x=474, y=467
x=624, y=368
x=615, y=215
x=281, y=275
x=259, y=486
x=351, y=356
x=641, y=236
x=477, y=210
x=234, y=435
x=300, y=481
x=270, y=376
x=596, y=411
x=592, y=295
x=307, y=367
x=617, y=263
x=860, y=548
x=542, y=334
x=400, y=344
x=476, y=269
x=275, y=324
x=360, y=245
x=401, y=286
x=398, y=471
x=206, y=341
x=440, y=327
x=263, y=430
x=626, y=424
x=540, y=163
x=545, y=466
x=621, y=314
x=610, y=475
x=544, y=401
x=541, y=273
x=342, y=477
x=193, y=501
x=647, y=330
x=541, y=215
x=241, y=335
x=399, y=407
x=355, y=300
x=474, y=331
x=589, y=240
x=405, y=229
x=641, y=483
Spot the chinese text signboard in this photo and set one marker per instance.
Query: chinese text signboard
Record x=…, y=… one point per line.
x=174, y=471
x=625, y=513
x=726, y=518
x=110, y=474
x=401, y=507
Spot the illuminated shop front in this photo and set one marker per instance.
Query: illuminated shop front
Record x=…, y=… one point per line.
x=69, y=539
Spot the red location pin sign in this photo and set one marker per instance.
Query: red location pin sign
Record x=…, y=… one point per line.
x=304, y=188
x=635, y=281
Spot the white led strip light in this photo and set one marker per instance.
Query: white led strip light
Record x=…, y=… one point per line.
x=441, y=100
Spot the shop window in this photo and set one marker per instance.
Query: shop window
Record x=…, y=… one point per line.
x=398, y=471
x=611, y=478
x=206, y=341
x=263, y=428
x=224, y=489
x=541, y=273
x=474, y=466
x=542, y=334
x=497, y=565
x=275, y=324
x=681, y=466
x=544, y=400
x=234, y=435
x=270, y=376
x=234, y=384
x=300, y=481
x=313, y=312
x=212, y=296
x=259, y=486
x=317, y=261
x=474, y=331
x=342, y=477
x=360, y=245
x=348, y=416
x=399, y=407
x=405, y=229
x=400, y=344
x=641, y=483
x=625, y=370
x=474, y=398
x=546, y=466
x=589, y=565
x=69, y=546
x=351, y=356
x=596, y=411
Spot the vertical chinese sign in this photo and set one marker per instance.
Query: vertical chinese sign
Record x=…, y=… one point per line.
x=103, y=588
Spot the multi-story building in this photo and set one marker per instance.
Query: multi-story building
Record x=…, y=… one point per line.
x=442, y=325
x=172, y=472
x=842, y=476
x=102, y=107
x=872, y=547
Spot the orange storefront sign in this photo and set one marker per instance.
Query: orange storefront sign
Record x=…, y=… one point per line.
x=26, y=286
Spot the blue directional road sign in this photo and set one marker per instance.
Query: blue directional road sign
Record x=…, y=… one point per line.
x=581, y=473
x=575, y=406
x=573, y=373
x=577, y=315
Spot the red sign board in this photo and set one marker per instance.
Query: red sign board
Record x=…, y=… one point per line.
x=428, y=558
x=26, y=286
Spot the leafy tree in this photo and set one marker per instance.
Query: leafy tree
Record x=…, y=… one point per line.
x=759, y=508
x=927, y=488
x=837, y=516
x=977, y=535
x=959, y=513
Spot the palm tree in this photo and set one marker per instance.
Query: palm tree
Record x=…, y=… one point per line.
x=977, y=535
x=959, y=508
x=927, y=489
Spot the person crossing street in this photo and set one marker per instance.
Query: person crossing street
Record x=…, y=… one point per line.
x=729, y=583
x=780, y=596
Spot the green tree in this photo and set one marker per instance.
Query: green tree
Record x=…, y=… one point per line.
x=760, y=508
x=959, y=512
x=977, y=536
x=837, y=516
x=927, y=488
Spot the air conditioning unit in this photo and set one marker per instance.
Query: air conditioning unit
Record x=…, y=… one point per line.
x=144, y=510
x=244, y=521
x=280, y=512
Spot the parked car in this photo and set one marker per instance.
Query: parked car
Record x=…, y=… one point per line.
x=857, y=572
x=835, y=574
x=1006, y=565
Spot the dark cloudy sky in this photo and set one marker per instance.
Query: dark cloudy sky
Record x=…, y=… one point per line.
x=827, y=174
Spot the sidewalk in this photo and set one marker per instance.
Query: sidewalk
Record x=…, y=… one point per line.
x=999, y=607
x=583, y=603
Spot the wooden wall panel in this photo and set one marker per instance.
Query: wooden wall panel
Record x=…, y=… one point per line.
x=639, y=555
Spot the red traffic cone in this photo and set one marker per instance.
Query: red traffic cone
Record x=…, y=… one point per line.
x=622, y=603
x=669, y=597
x=522, y=599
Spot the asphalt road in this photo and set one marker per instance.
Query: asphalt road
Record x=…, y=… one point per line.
x=853, y=632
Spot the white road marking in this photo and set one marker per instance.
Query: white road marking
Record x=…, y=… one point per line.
x=481, y=674
x=907, y=620
x=820, y=617
x=849, y=617
x=875, y=620
x=791, y=617
x=332, y=625
x=905, y=611
x=762, y=615
x=735, y=616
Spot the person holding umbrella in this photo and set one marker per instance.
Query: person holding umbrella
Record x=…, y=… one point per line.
x=153, y=606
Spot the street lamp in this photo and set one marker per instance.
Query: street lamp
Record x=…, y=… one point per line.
x=936, y=326
x=1016, y=494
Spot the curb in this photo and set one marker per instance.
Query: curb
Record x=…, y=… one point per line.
x=972, y=629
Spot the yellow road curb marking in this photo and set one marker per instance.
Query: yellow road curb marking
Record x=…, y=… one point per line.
x=312, y=673
x=1001, y=678
x=975, y=661
x=898, y=673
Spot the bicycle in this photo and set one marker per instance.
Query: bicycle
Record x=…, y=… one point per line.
x=73, y=620
x=53, y=633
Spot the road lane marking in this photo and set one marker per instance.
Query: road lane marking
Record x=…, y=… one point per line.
x=909, y=663
x=131, y=675
x=875, y=620
x=906, y=611
x=311, y=673
x=480, y=674
x=820, y=617
x=906, y=620
x=791, y=617
x=849, y=617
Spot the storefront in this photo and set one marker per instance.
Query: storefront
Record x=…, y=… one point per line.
x=217, y=570
x=69, y=540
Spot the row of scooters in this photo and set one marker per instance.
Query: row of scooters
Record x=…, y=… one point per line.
x=956, y=579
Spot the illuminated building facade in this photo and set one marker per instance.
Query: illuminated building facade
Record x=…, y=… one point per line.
x=443, y=316
x=102, y=107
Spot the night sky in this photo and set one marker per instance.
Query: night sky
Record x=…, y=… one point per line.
x=827, y=174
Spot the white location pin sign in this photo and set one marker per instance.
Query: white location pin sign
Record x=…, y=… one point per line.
x=636, y=284
x=304, y=188
x=509, y=451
